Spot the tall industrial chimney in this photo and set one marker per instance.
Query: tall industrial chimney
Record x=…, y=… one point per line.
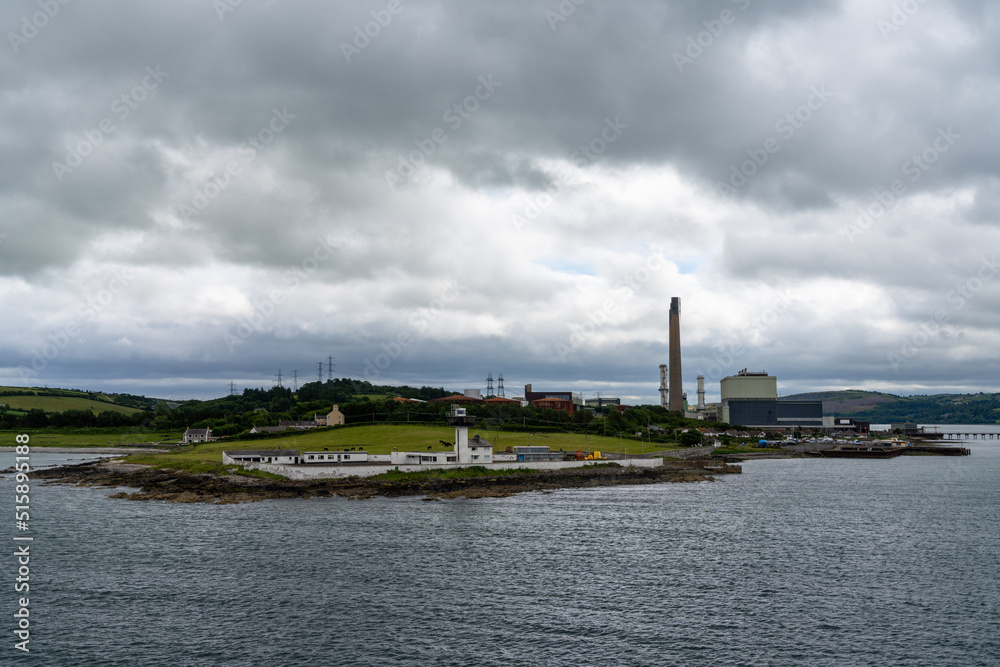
x=701, y=392
x=676, y=401
x=663, y=385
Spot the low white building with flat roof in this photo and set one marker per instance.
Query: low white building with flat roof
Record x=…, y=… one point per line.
x=241, y=456
x=334, y=457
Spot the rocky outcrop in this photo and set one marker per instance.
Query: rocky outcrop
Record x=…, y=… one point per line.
x=182, y=487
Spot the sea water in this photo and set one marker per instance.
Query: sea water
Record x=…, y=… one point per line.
x=794, y=562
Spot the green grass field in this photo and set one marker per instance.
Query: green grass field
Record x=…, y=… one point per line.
x=381, y=439
x=71, y=401
x=83, y=438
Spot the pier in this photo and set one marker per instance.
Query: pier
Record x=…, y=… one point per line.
x=944, y=450
x=861, y=452
x=945, y=433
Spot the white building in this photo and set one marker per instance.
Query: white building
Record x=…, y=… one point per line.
x=240, y=456
x=334, y=457
x=420, y=458
x=469, y=452
x=198, y=435
x=267, y=429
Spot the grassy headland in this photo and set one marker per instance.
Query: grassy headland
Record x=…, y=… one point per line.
x=184, y=487
x=382, y=439
x=58, y=400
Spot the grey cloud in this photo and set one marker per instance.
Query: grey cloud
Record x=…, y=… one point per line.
x=323, y=175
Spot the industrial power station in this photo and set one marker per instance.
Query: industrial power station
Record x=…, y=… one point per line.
x=747, y=398
x=751, y=399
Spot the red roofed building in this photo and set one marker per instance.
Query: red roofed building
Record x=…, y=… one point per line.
x=457, y=398
x=502, y=401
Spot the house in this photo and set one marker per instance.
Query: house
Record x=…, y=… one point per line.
x=287, y=456
x=198, y=435
x=267, y=429
x=333, y=418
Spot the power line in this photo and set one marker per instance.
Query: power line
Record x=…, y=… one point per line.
x=278, y=375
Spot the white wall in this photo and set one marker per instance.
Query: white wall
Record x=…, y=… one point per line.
x=331, y=472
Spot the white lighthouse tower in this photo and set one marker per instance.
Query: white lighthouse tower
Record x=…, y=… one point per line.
x=478, y=451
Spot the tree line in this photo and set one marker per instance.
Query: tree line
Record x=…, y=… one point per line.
x=361, y=403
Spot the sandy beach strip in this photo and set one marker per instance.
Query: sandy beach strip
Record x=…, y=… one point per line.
x=35, y=449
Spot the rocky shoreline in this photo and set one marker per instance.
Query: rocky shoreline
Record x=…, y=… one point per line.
x=183, y=487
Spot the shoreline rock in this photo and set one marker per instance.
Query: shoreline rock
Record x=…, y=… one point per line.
x=183, y=487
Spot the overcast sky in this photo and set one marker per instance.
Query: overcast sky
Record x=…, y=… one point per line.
x=194, y=193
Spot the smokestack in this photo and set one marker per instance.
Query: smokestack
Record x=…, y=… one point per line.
x=663, y=385
x=676, y=400
x=701, y=392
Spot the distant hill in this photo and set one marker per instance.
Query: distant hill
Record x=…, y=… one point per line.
x=846, y=403
x=883, y=408
x=23, y=399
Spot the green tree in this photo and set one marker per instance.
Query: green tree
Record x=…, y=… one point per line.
x=35, y=418
x=616, y=422
x=690, y=438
